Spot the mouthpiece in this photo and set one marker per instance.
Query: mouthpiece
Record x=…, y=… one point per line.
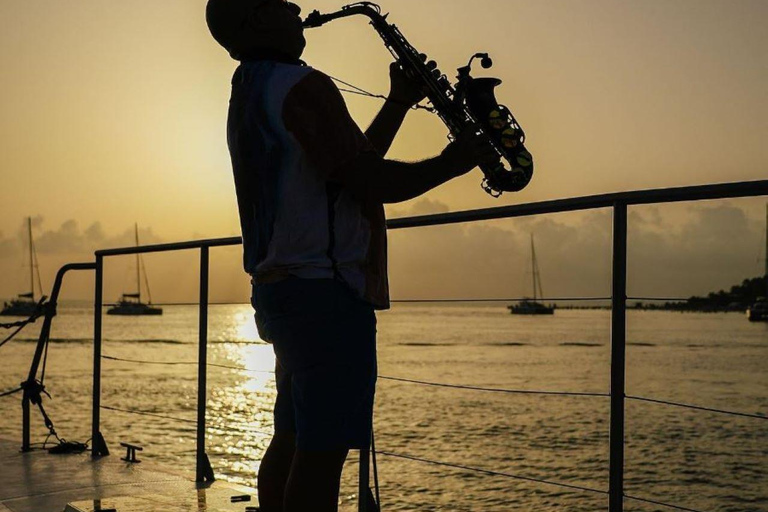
x=314, y=19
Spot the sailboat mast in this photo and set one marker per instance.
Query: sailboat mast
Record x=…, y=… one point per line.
x=31, y=262
x=138, y=271
x=533, y=267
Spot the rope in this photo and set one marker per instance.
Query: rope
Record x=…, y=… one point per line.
x=139, y=361
x=493, y=390
x=492, y=473
x=14, y=333
x=676, y=507
x=11, y=325
x=10, y=392
x=145, y=413
x=40, y=310
x=697, y=407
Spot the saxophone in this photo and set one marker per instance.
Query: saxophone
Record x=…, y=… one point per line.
x=470, y=103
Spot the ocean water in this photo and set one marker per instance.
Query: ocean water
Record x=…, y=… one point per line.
x=691, y=458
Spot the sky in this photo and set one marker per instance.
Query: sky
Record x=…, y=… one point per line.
x=113, y=113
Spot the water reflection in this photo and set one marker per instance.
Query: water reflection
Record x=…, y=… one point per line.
x=240, y=421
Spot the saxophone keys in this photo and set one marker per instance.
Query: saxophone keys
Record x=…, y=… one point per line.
x=496, y=121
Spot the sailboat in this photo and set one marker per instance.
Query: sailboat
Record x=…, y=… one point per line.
x=130, y=303
x=531, y=306
x=758, y=312
x=26, y=303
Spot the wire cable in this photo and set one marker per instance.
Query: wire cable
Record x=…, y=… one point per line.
x=145, y=413
x=362, y=92
x=666, y=299
x=185, y=420
x=493, y=390
x=697, y=407
x=492, y=473
x=516, y=299
x=675, y=507
x=139, y=361
x=384, y=377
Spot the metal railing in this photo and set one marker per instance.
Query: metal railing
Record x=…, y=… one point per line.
x=618, y=202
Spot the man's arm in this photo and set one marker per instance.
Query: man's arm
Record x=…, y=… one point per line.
x=403, y=94
x=372, y=177
x=385, y=125
x=315, y=113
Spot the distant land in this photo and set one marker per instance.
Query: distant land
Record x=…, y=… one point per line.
x=738, y=298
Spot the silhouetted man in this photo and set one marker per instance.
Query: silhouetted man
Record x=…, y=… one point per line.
x=310, y=190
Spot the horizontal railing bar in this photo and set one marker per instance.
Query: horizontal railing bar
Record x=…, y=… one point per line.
x=174, y=246
x=636, y=197
x=697, y=407
x=490, y=472
x=652, y=502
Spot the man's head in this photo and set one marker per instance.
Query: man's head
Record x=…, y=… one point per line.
x=246, y=27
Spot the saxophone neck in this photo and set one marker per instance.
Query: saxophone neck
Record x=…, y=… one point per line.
x=369, y=9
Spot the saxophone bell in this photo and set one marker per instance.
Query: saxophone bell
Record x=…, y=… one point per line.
x=505, y=133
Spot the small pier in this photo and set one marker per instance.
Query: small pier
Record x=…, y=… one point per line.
x=37, y=481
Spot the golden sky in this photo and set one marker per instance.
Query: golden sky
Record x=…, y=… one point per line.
x=114, y=112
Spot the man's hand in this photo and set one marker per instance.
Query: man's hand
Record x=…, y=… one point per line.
x=404, y=90
x=469, y=150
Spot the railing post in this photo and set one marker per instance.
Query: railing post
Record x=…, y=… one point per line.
x=31, y=388
x=203, y=470
x=25, y=442
x=618, y=357
x=98, y=446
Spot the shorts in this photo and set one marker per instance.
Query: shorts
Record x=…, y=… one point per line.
x=324, y=338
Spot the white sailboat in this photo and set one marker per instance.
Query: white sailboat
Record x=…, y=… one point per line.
x=26, y=303
x=130, y=303
x=531, y=306
x=758, y=312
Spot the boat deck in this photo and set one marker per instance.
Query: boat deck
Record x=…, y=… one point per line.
x=40, y=482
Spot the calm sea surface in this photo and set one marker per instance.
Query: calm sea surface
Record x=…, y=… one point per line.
x=696, y=459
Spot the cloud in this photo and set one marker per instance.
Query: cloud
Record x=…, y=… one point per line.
x=672, y=252
x=69, y=239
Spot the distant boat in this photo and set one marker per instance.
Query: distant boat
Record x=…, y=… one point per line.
x=26, y=303
x=130, y=303
x=531, y=306
x=758, y=312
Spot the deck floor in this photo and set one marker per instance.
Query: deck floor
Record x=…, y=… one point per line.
x=40, y=482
